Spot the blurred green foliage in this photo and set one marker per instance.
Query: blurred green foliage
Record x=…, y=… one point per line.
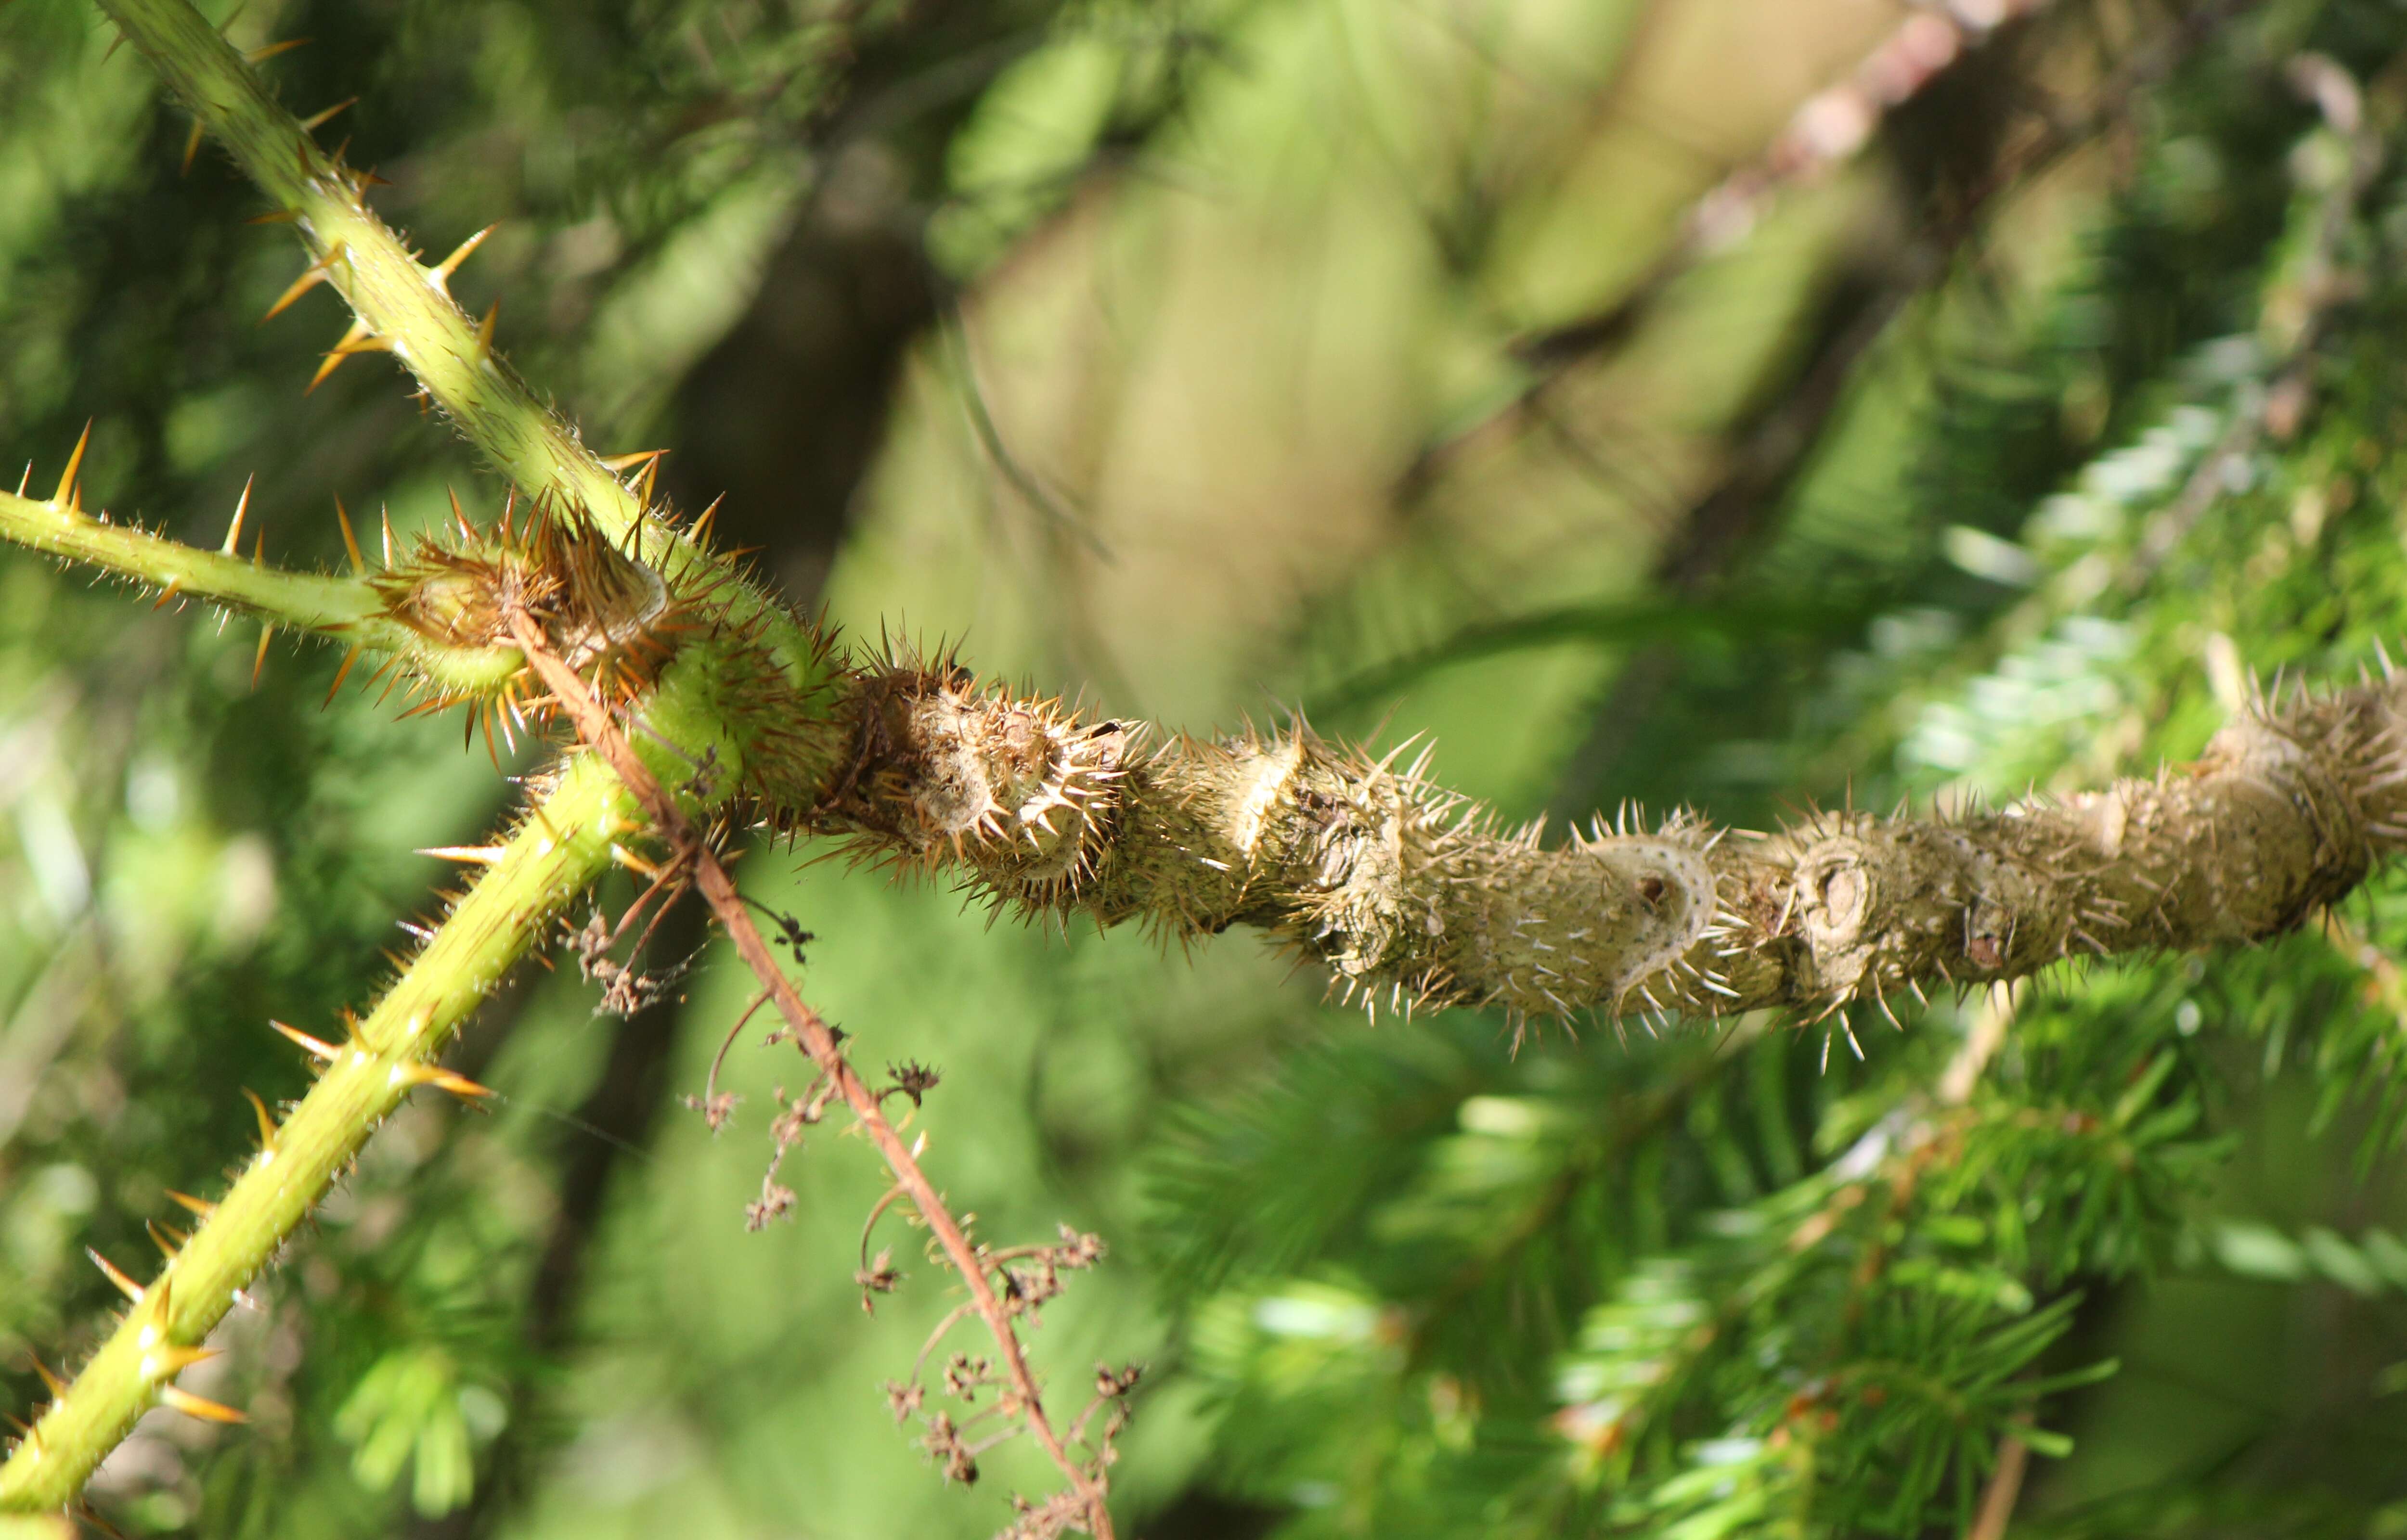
x=1210, y=357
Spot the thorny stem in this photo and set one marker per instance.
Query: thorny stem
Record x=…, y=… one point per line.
x=562, y=845
x=347, y=609
x=595, y=725
x=404, y=308
x=1398, y=887
x=1411, y=894
x=407, y=309
x=1401, y=889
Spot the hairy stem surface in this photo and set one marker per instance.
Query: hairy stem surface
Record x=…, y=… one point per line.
x=349, y=609
x=1402, y=888
x=562, y=845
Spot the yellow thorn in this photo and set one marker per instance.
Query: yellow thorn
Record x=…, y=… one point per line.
x=353, y=336
x=169, y=1359
x=476, y=855
x=168, y=593
x=24, y=476
x=352, y=1037
x=332, y=362
x=258, y=658
x=260, y=55
x=319, y=120
x=57, y=1386
x=485, y=327
x=440, y=273
x=191, y=1204
x=384, y=518
x=325, y=1050
x=125, y=1286
x=193, y=1406
x=467, y=531
x=702, y=520
x=615, y=463
x=278, y=216
x=65, y=495
x=259, y=545
x=191, y=149
x=166, y=1237
x=442, y=1078
x=534, y=810
x=632, y=861
x=311, y=276
x=266, y=1123
x=350, y=541
x=234, y=530
x=341, y=673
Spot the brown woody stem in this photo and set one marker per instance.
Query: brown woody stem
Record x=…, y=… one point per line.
x=1405, y=889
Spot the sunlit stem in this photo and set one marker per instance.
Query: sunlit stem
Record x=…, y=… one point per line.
x=346, y=608
x=405, y=308
x=559, y=848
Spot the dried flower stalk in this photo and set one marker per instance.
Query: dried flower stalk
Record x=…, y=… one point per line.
x=688, y=848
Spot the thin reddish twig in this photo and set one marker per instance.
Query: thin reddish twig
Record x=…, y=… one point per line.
x=596, y=726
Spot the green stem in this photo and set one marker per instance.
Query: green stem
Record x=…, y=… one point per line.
x=707, y=707
x=407, y=309
x=404, y=305
x=561, y=847
x=348, y=608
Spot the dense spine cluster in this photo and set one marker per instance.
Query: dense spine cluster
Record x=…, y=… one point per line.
x=1402, y=888
x=1409, y=892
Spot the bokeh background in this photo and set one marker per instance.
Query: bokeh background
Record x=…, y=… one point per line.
x=1728, y=401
